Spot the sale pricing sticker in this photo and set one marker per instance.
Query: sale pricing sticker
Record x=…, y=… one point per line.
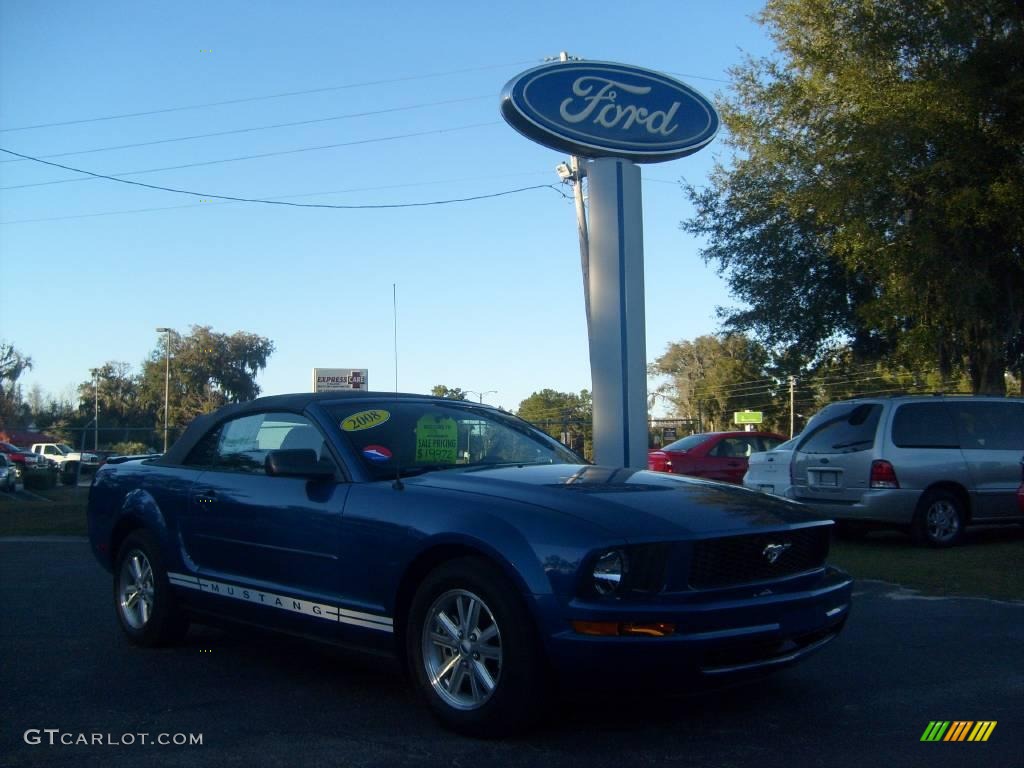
x=364, y=420
x=437, y=440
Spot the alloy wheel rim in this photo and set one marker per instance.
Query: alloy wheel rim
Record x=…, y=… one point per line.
x=462, y=651
x=943, y=522
x=135, y=590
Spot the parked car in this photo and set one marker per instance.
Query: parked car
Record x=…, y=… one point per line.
x=929, y=464
x=102, y=455
x=489, y=558
x=21, y=458
x=66, y=457
x=713, y=455
x=8, y=478
x=769, y=471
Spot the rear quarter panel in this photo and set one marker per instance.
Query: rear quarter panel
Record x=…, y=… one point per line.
x=137, y=494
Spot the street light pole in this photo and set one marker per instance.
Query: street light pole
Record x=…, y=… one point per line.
x=481, y=394
x=167, y=379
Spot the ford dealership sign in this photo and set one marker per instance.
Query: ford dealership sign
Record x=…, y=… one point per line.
x=600, y=109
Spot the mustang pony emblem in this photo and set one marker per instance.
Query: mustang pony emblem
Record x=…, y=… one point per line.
x=773, y=552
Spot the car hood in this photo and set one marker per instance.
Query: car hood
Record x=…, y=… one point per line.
x=637, y=505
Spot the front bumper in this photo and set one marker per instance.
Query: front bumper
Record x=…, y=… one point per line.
x=714, y=639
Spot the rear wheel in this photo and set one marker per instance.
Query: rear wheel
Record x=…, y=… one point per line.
x=143, y=598
x=473, y=652
x=940, y=519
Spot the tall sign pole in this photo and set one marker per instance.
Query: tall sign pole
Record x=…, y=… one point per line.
x=615, y=116
x=618, y=359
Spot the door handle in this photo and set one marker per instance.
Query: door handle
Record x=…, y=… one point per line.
x=734, y=463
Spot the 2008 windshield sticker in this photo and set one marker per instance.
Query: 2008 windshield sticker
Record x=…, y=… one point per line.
x=364, y=420
x=437, y=440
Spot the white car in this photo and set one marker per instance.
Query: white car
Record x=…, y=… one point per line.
x=768, y=471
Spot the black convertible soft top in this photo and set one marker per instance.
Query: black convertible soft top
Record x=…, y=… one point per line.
x=290, y=403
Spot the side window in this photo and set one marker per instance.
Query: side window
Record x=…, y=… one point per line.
x=50, y=450
x=924, y=425
x=990, y=426
x=242, y=444
x=769, y=444
x=731, y=447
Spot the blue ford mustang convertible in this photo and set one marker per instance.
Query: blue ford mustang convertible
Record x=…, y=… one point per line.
x=492, y=560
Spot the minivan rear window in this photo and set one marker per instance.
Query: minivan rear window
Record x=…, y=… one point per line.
x=843, y=428
x=924, y=425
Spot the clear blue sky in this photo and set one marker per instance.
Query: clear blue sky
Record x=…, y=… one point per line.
x=489, y=292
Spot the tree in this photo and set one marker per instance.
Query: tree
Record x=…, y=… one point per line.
x=122, y=413
x=711, y=377
x=452, y=394
x=207, y=370
x=876, y=196
x=12, y=365
x=565, y=416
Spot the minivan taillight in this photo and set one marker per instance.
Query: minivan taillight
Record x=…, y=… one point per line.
x=883, y=475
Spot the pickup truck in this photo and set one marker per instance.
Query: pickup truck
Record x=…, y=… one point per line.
x=66, y=457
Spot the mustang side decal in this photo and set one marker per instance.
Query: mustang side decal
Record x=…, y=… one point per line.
x=249, y=595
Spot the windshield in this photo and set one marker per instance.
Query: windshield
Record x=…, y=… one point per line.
x=687, y=443
x=412, y=437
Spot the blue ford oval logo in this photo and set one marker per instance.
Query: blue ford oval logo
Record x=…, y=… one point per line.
x=600, y=109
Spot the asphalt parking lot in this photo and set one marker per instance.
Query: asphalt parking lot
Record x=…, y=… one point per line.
x=865, y=700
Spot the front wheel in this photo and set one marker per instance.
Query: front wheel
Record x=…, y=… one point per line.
x=143, y=598
x=473, y=650
x=939, y=520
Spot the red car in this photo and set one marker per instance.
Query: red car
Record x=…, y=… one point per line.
x=713, y=455
x=21, y=457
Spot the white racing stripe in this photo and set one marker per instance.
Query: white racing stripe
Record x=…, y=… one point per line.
x=296, y=605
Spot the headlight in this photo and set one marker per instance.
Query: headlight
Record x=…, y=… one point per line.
x=610, y=572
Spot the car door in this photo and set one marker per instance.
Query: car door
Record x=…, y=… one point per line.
x=245, y=527
x=727, y=460
x=992, y=441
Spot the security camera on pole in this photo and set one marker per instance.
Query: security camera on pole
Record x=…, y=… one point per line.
x=614, y=116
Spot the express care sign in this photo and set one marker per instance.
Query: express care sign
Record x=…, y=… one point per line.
x=334, y=379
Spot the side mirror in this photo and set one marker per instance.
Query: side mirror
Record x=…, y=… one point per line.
x=297, y=462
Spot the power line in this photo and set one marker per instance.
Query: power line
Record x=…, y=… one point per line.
x=260, y=128
x=284, y=202
x=243, y=157
x=276, y=197
x=699, y=77
x=263, y=98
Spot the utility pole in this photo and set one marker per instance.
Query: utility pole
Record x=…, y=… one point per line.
x=792, y=414
x=96, y=414
x=581, y=222
x=167, y=378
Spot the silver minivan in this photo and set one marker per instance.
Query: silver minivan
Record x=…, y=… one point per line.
x=928, y=463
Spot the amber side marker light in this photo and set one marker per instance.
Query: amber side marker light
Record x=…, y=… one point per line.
x=618, y=629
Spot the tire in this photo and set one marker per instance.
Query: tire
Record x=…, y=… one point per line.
x=473, y=651
x=940, y=519
x=143, y=599
x=69, y=473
